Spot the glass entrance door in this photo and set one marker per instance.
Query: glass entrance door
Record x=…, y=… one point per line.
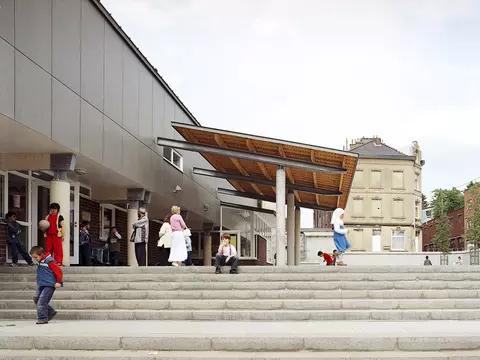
x=41, y=204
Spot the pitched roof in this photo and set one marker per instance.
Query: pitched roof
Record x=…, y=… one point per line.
x=372, y=150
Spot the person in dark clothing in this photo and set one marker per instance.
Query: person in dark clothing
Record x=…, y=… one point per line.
x=113, y=242
x=85, y=256
x=13, y=241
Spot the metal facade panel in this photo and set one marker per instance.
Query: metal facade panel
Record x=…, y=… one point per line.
x=7, y=60
x=112, y=144
x=131, y=161
x=7, y=20
x=158, y=112
x=91, y=133
x=65, y=116
x=33, y=32
x=113, y=75
x=66, y=35
x=33, y=95
x=145, y=108
x=93, y=55
x=169, y=114
x=131, y=74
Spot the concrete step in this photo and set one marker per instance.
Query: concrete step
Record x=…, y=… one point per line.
x=254, y=269
x=234, y=284
x=274, y=336
x=258, y=304
x=316, y=277
x=251, y=315
x=234, y=355
x=64, y=294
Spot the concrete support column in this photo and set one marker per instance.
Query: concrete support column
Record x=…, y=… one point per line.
x=207, y=250
x=132, y=217
x=298, y=245
x=60, y=193
x=290, y=228
x=280, y=193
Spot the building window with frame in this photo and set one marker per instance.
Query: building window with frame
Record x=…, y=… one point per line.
x=358, y=180
x=376, y=207
x=173, y=157
x=398, y=240
x=376, y=179
x=398, y=209
x=398, y=180
x=357, y=207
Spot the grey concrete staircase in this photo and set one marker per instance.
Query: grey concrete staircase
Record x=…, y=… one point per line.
x=257, y=293
x=308, y=312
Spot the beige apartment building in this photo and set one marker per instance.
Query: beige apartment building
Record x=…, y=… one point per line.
x=385, y=204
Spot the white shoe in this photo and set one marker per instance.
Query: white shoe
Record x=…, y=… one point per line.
x=174, y=264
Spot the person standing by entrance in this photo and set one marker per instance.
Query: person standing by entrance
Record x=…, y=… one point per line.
x=113, y=242
x=178, y=252
x=85, y=255
x=165, y=240
x=140, y=228
x=54, y=234
x=13, y=241
x=339, y=235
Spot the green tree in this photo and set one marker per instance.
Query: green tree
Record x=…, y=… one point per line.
x=472, y=184
x=424, y=202
x=444, y=229
x=451, y=200
x=473, y=229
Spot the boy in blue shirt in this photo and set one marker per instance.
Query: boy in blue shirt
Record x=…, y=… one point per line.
x=49, y=278
x=13, y=240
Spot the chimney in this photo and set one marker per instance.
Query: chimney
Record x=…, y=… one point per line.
x=378, y=141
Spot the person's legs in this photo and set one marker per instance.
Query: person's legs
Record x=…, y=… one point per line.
x=14, y=249
x=49, y=244
x=88, y=258
x=188, y=261
x=82, y=256
x=219, y=261
x=114, y=258
x=140, y=254
x=24, y=254
x=234, y=262
x=42, y=298
x=58, y=250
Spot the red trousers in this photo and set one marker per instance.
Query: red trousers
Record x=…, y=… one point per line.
x=54, y=244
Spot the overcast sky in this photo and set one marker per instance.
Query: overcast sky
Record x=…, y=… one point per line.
x=319, y=71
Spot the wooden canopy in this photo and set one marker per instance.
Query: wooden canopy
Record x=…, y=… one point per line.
x=319, y=177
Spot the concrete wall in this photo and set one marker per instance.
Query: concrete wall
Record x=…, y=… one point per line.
x=386, y=205
x=399, y=259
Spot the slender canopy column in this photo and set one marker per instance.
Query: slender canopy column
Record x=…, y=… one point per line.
x=297, y=235
x=280, y=194
x=290, y=228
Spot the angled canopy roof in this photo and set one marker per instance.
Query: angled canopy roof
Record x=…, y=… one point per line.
x=320, y=177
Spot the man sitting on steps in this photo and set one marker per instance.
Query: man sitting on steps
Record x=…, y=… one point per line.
x=227, y=255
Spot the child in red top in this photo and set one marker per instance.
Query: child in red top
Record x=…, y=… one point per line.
x=326, y=258
x=54, y=234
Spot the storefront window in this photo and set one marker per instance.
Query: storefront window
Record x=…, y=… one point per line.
x=2, y=196
x=239, y=224
x=107, y=222
x=18, y=196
